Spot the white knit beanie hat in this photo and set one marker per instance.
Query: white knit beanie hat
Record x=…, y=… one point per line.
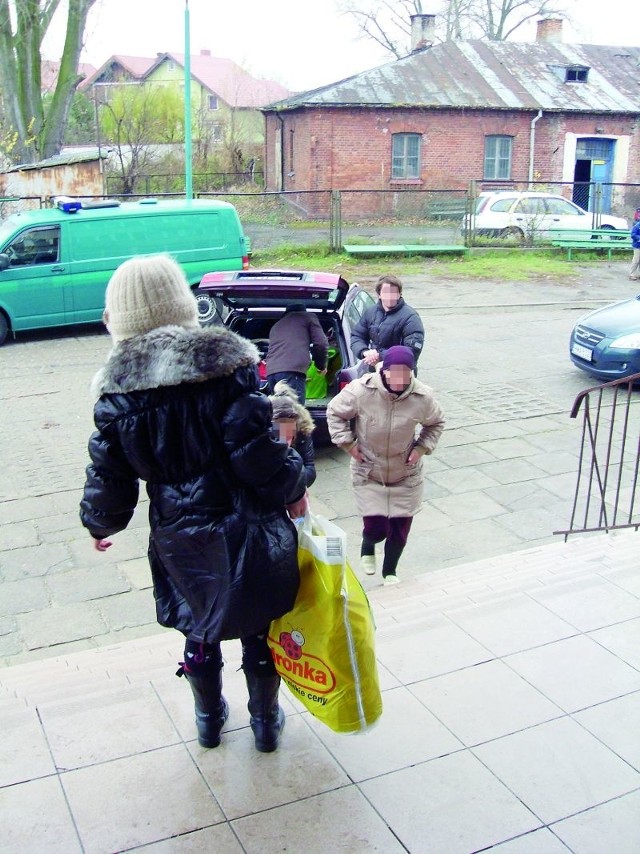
x=147, y=292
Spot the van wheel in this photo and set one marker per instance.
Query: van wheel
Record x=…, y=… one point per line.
x=4, y=328
x=209, y=308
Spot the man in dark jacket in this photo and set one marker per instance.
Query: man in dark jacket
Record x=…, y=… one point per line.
x=178, y=407
x=294, y=341
x=386, y=324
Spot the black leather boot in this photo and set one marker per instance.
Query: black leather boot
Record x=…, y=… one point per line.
x=392, y=553
x=212, y=710
x=267, y=718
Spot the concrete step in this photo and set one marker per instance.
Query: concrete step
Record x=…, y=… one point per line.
x=59, y=686
x=399, y=611
x=537, y=568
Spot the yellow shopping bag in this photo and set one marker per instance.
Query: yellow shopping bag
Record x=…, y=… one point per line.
x=324, y=648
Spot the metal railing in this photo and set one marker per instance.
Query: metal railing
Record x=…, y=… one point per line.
x=606, y=488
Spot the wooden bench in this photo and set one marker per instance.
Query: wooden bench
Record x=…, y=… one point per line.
x=611, y=240
x=446, y=208
x=365, y=249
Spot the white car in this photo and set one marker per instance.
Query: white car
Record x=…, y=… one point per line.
x=530, y=214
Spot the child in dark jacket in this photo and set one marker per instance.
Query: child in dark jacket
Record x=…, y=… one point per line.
x=294, y=425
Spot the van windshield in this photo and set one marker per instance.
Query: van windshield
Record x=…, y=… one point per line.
x=7, y=229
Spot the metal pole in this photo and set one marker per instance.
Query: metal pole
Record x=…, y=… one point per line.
x=188, y=166
x=97, y=118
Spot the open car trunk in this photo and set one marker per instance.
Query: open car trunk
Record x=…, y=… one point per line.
x=320, y=389
x=250, y=301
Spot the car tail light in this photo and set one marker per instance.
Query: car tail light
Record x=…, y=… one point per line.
x=245, y=262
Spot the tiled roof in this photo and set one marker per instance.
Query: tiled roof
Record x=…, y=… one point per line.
x=492, y=75
x=135, y=66
x=223, y=77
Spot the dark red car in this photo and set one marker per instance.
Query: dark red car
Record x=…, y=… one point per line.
x=250, y=301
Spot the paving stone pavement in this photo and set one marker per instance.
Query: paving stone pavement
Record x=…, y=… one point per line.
x=500, y=481
x=511, y=697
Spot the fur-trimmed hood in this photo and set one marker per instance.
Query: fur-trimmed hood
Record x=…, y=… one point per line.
x=171, y=355
x=286, y=405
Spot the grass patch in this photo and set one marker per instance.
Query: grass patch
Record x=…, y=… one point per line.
x=508, y=264
x=496, y=264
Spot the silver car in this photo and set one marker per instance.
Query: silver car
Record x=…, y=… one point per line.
x=530, y=214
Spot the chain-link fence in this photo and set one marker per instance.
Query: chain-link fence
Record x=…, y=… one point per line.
x=16, y=204
x=332, y=218
x=328, y=219
x=172, y=183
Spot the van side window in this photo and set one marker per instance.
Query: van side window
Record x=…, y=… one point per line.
x=34, y=246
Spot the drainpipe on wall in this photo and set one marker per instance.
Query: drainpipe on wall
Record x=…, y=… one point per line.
x=280, y=165
x=532, y=145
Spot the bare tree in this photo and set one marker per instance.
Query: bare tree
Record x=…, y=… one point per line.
x=387, y=22
x=455, y=19
x=23, y=25
x=497, y=20
x=134, y=121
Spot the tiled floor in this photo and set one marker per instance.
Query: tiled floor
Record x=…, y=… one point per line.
x=511, y=722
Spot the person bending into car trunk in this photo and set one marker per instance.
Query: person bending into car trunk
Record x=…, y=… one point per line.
x=387, y=323
x=179, y=408
x=386, y=421
x=294, y=341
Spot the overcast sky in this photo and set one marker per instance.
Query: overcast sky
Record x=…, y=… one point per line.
x=299, y=43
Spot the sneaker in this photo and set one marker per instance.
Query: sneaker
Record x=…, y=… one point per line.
x=388, y=580
x=368, y=564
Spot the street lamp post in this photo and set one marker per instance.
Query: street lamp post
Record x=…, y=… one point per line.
x=188, y=166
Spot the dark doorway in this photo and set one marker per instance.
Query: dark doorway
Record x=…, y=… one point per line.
x=581, y=178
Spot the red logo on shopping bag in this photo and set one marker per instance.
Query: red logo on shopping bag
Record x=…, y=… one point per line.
x=305, y=670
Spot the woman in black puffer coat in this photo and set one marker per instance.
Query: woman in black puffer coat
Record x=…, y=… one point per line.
x=178, y=407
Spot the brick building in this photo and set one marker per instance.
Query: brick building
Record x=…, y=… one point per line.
x=497, y=113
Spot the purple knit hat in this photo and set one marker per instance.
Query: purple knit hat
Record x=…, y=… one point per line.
x=398, y=355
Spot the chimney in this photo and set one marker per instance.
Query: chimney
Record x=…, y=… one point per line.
x=423, y=31
x=204, y=52
x=549, y=30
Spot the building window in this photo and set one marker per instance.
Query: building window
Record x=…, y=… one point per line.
x=405, y=155
x=213, y=102
x=576, y=74
x=497, y=158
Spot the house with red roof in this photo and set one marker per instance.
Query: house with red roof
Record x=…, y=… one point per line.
x=224, y=97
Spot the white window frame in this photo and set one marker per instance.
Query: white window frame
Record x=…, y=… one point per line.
x=501, y=163
x=405, y=166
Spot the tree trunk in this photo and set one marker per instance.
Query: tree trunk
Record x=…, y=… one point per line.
x=33, y=133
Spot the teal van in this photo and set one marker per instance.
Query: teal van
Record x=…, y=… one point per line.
x=55, y=263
